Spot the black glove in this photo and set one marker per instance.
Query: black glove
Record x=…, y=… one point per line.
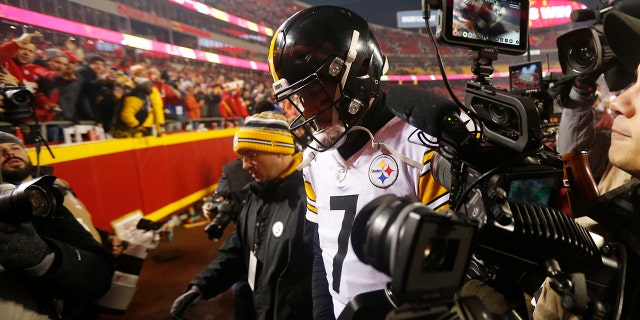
x=185, y=302
x=20, y=246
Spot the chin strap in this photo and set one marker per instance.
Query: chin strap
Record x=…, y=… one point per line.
x=385, y=147
x=307, y=156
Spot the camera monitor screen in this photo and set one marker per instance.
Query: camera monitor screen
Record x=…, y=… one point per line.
x=533, y=183
x=525, y=77
x=533, y=190
x=499, y=24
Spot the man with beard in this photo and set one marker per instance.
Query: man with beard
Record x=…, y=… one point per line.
x=50, y=268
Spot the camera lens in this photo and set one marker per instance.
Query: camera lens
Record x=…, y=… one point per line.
x=583, y=51
x=216, y=227
x=20, y=97
x=582, y=55
x=503, y=116
x=377, y=229
x=34, y=198
x=40, y=201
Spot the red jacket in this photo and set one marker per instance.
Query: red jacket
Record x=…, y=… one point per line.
x=35, y=75
x=7, y=51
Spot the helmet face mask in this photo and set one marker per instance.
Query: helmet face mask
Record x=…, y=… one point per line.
x=317, y=103
x=327, y=58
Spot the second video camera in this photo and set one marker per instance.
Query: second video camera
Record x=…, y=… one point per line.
x=223, y=213
x=586, y=51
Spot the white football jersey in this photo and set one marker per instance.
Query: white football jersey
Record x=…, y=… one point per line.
x=338, y=189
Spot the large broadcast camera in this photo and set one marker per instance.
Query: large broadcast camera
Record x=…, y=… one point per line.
x=34, y=198
x=585, y=51
x=504, y=228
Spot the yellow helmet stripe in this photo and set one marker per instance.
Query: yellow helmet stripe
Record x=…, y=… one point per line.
x=271, y=48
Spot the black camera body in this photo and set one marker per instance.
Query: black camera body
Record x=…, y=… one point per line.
x=17, y=101
x=586, y=51
x=223, y=212
x=34, y=198
x=507, y=120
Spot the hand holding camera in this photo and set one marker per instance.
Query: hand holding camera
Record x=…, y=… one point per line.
x=223, y=211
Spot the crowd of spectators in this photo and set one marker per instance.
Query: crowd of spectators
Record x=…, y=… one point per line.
x=196, y=27
x=190, y=89
x=91, y=88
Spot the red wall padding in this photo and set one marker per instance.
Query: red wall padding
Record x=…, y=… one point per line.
x=147, y=179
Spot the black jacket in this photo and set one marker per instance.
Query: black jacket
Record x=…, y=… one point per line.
x=284, y=251
x=618, y=215
x=81, y=272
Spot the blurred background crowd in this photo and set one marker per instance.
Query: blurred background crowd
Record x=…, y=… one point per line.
x=94, y=74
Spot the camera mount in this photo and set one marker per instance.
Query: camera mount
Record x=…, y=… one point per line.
x=482, y=66
x=572, y=289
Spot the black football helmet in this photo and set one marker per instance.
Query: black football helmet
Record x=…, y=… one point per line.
x=331, y=47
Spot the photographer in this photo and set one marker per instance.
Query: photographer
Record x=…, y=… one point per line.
x=577, y=131
x=271, y=247
x=50, y=268
x=618, y=211
x=232, y=186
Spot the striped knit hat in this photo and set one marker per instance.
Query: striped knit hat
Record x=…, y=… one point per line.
x=9, y=138
x=265, y=131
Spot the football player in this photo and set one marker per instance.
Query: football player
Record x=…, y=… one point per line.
x=327, y=62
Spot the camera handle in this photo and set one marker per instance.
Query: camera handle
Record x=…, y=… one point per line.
x=572, y=289
x=482, y=66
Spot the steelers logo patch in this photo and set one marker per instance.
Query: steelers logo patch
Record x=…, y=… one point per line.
x=277, y=229
x=341, y=173
x=383, y=171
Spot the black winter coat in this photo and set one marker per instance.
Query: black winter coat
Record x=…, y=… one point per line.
x=273, y=220
x=81, y=272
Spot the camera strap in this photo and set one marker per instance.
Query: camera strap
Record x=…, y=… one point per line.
x=382, y=146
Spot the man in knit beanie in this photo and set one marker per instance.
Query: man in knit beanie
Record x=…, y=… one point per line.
x=44, y=259
x=270, y=247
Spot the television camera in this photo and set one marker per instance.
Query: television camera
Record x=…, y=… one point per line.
x=504, y=227
x=34, y=198
x=586, y=52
